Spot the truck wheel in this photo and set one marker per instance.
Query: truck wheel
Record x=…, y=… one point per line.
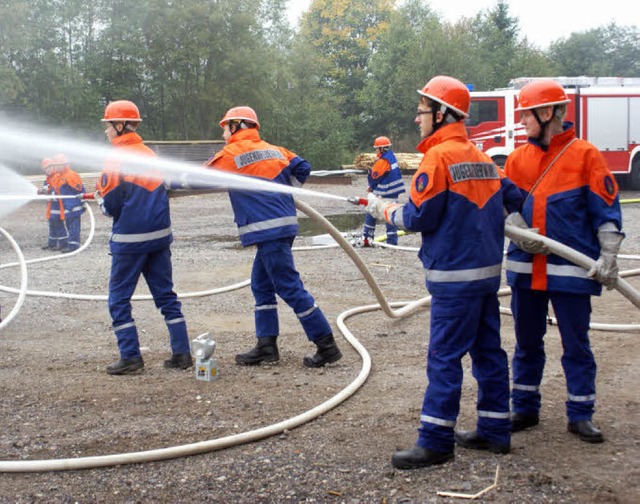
x=634, y=177
x=500, y=160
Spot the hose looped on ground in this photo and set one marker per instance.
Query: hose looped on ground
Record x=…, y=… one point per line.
x=261, y=433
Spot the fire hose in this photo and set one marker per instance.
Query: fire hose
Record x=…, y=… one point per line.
x=288, y=424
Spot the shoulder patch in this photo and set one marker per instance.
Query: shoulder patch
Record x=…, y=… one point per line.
x=104, y=180
x=421, y=182
x=609, y=186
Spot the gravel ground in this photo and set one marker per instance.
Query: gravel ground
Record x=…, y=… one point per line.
x=56, y=401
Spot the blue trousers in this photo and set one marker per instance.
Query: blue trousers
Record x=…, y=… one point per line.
x=156, y=269
x=573, y=312
x=58, y=234
x=460, y=325
x=370, y=228
x=275, y=273
x=73, y=221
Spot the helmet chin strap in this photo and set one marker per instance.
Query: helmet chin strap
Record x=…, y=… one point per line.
x=125, y=128
x=543, y=124
x=448, y=117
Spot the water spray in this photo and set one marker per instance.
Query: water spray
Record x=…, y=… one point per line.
x=17, y=146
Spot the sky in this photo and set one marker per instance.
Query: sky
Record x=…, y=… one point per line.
x=541, y=21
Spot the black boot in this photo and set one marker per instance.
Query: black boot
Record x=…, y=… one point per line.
x=266, y=350
x=417, y=457
x=520, y=422
x=182, y=361
x=125, y=366
x=586, y=431
x=470, y=439
x=327, y=352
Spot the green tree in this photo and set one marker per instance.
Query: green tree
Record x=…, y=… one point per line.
x=396, y=70
x=608, y=50
x=344, y=34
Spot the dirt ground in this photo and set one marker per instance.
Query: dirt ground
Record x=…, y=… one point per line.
x=57, y=402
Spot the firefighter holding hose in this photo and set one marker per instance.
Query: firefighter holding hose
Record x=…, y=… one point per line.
x=139, y=243
x=69, y=183
x=268, y=221
x=571, y=197
x=457, y=201
x=385, y=180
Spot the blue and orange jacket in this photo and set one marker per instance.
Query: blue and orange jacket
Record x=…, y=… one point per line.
x=49, y=186
x=261, y=216
x=69, y=183
x=457, y=201
x=137, y=202
x=385, y=178
x=569, y=203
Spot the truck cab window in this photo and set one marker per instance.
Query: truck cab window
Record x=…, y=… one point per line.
x=482, y=111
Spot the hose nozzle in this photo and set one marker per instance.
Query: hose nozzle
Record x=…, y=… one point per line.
x=358, y=201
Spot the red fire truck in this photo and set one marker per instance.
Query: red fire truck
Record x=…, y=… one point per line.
x=604, y=110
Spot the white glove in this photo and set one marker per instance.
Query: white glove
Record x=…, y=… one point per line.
x=529, y=246
x=376, y=206
x=605, y=269
x=100, y=202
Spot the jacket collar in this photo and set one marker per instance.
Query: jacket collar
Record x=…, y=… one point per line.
x=447, y=132
x=127, y=139
x=245, y=134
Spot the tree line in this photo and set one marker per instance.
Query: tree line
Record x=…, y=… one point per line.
x=325, y=88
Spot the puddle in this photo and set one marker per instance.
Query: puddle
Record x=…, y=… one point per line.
x=348, y=222
x=342, y=222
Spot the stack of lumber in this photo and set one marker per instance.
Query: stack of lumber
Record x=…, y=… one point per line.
x=406, y=160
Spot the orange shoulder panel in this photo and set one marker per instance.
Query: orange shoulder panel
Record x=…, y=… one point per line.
x=260, y=160
x=477, y=179
x=150, y=179
x=379, y=168
x=602, y=182
x=73, y=179
x=428, y=181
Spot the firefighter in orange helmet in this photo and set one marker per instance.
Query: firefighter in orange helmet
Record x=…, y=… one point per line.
x=268, y=221
x=57, y=232
x=139, y=243
x=69, y=183
x=457, y=202
x=571, y=197
x=385, y=180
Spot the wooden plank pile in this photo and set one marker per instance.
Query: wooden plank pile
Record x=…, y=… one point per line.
x=406, y=160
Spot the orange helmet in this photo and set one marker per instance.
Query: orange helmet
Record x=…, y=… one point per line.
x=121, y=110
x=541, y=93
x=449, y=92
x=60, y=159
x=240, y=114
x=381, y=141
